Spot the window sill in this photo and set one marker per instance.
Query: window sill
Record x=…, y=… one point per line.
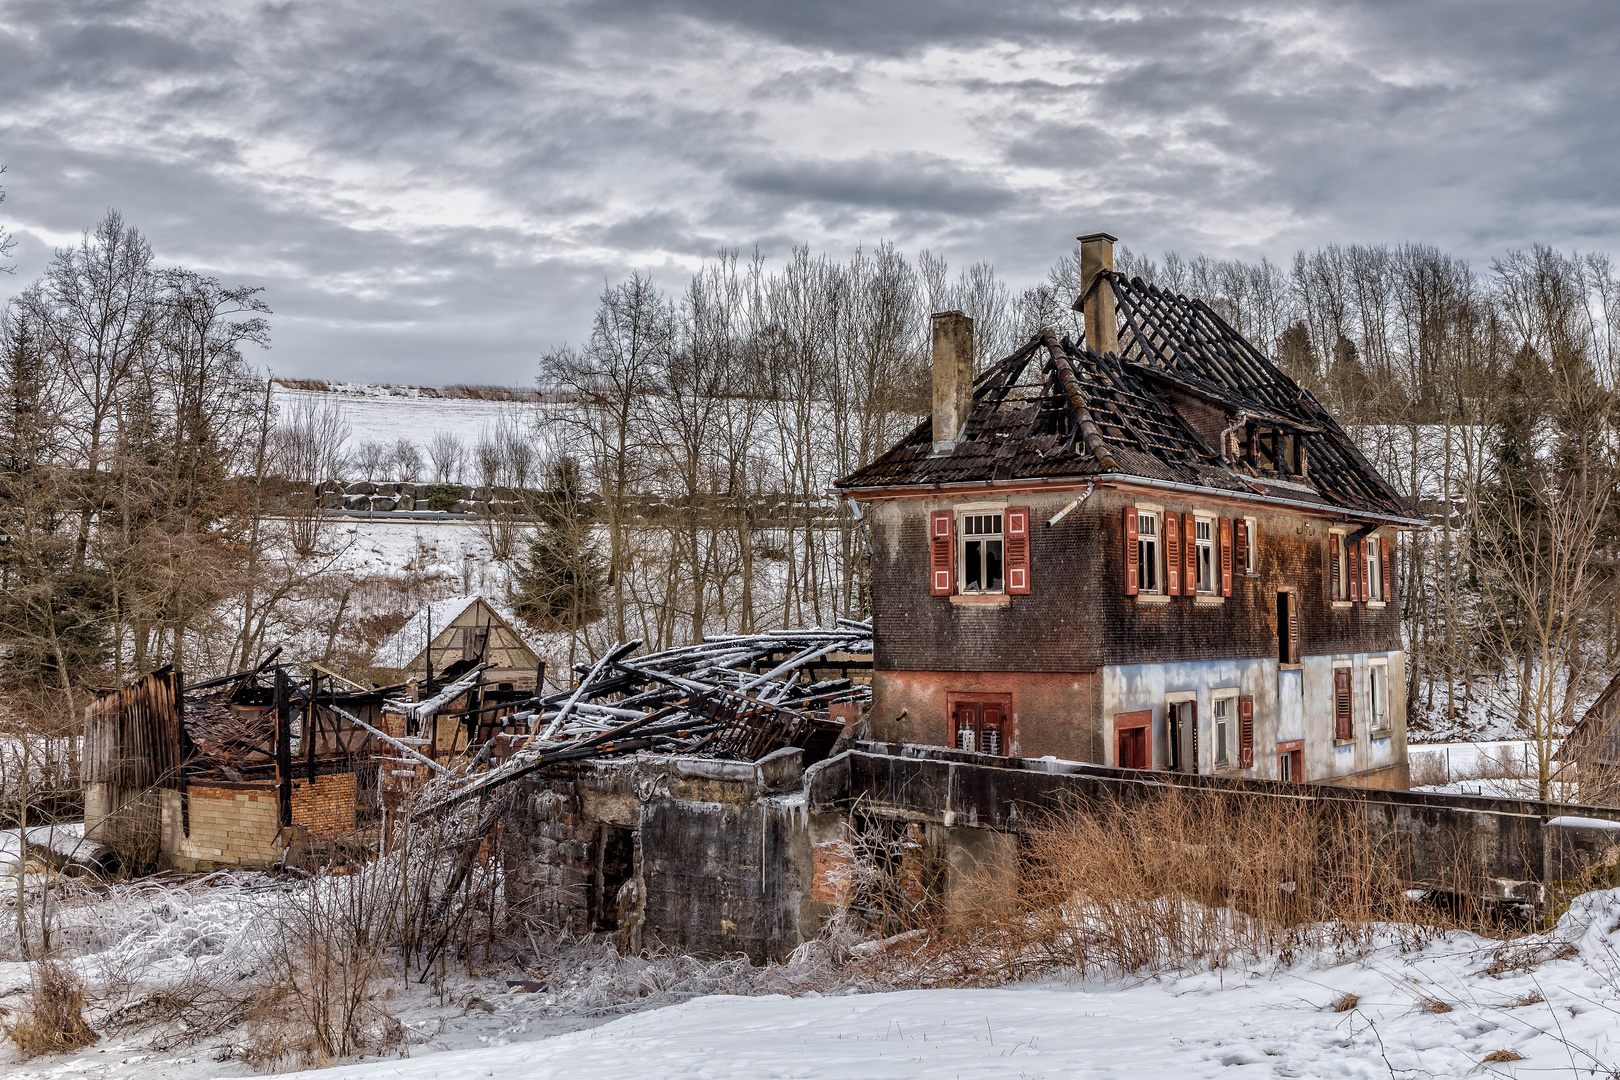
x=1152, y=598
x=994, y=599
x=1377, y=734
x=1343, y=742
x=1290, y=667
x=1209, y=601
x=1375, y=605
x=1342, y=605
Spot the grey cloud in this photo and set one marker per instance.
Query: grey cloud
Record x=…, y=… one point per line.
x=903, y=183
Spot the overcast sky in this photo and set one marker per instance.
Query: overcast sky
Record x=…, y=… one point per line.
x=433, y=192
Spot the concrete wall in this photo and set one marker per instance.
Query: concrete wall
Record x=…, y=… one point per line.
x=691, y=853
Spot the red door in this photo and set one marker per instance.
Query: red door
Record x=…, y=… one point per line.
x=1133, y=748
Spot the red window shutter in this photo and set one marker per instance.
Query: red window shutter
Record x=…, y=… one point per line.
x=1132, y=572
x=1343, y=727
x=942, y=552
x=1189, y=551
x=1246, y=732
x=1240, y=544
x=1384, y=553
x=1172, y=555
x=1333, y=567
x=992, y=729
x=1017, y=521
x=1357, y=592
x=1226, y=557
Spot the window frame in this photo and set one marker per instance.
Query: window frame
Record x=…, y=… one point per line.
x=1150, y=553
x=1348, y=667
x=1373, y=550
x=963, y=538
x=1378, y=706
x=1206, y=544
x=1227, y=696
x=1251, y=555
x=1341, y=594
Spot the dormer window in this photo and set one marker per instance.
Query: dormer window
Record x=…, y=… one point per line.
x=1273, y=450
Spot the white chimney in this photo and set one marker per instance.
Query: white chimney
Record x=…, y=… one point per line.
x=953, y=377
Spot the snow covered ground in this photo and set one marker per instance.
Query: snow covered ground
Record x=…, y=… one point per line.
x=388, y=413
x=1542, y=1005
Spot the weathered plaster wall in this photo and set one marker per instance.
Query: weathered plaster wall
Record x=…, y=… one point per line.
x=1049, y=712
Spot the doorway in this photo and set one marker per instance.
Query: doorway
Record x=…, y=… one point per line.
x=980, y=726
x=1133, y=740
x=1181, y=736
x=1291, y=761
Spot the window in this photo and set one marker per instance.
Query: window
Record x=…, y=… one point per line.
x=1248, y=546
x=980, y=726
x=1343, y=721
x=1378, y=695
x=1225, y=732
x=981, y=558
x=1206, y=555
x=1375, y=570
x=1147, y=549
x=1338, y=568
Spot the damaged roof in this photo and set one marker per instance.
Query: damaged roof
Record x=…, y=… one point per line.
x=1056, y=409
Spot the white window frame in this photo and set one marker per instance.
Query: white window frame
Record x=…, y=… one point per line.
x=963, y=538
x=1375, y=569
x=1205, y=547
x=1234, y=735
x=1378, y=707
x=1149, y=553
x=1251, y=558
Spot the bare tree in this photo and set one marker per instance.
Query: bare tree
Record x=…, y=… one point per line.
x=448, y=454
x=406, y=460
x=308, y=450
x=372, y=459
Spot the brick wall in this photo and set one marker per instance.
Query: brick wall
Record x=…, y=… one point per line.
x=230, y=825
x=1078, y=617
x=1048, y=712
x=326, y=808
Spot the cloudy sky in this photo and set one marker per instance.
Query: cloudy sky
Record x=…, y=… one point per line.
x=434, y=191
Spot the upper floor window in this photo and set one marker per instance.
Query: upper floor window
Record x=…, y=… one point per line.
x=1338, y=568
x=1247, y=535
x=1204, y=539
x=1375, y=569
x=1147, y=550
x=981, y=556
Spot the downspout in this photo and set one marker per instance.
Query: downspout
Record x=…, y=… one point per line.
x=1063, y=513
x=1077, y=404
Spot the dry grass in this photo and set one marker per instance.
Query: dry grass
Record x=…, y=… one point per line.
x=1496, y=1056
x=1178, y=881
x=52, y=1018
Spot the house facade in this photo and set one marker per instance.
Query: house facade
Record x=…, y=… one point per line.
x=1150, y=549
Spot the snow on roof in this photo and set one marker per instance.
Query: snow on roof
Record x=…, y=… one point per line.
x=401, y=650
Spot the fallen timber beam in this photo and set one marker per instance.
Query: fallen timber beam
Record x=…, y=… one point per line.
x=390, y=740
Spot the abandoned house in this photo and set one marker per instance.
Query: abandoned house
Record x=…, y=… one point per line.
x=1149, y=549
x=446, y=632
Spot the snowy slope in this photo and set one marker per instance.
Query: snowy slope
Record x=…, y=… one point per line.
x=1438, y=1011
x=376, y=415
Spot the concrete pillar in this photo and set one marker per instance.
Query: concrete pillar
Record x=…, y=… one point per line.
x=953, y=376
x=1097, y=255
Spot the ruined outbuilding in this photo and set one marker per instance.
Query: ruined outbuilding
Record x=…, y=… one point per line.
x=447, y=632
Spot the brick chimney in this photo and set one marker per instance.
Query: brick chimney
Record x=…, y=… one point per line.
x=1096, y=255
x=953, y=376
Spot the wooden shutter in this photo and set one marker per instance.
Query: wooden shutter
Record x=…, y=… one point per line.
x=1132, y=572
x=1333, y=567
x=1172, y=555
x=1240, y=544
x=1189, y=551
x=1384, y=547
x=1343, y=727
x=1017, y=519
x=942, y=551
x=1293, y=627
x=1246, y=732
x=992, y=729
x=1226, y=557
x=1356, y=592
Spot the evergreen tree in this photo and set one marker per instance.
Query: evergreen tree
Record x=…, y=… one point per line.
x=560, y=579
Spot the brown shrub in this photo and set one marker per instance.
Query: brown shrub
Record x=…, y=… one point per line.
x=1177, y=879
x=52, y=1018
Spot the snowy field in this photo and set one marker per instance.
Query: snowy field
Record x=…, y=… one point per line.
x=1457, y=1005
x=388, y=413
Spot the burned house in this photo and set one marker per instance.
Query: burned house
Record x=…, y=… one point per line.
x=1149, y=549
x=237, y=771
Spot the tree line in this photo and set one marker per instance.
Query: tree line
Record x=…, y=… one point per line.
x=150, y=488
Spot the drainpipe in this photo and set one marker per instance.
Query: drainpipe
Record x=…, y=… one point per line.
x=1063, y=513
